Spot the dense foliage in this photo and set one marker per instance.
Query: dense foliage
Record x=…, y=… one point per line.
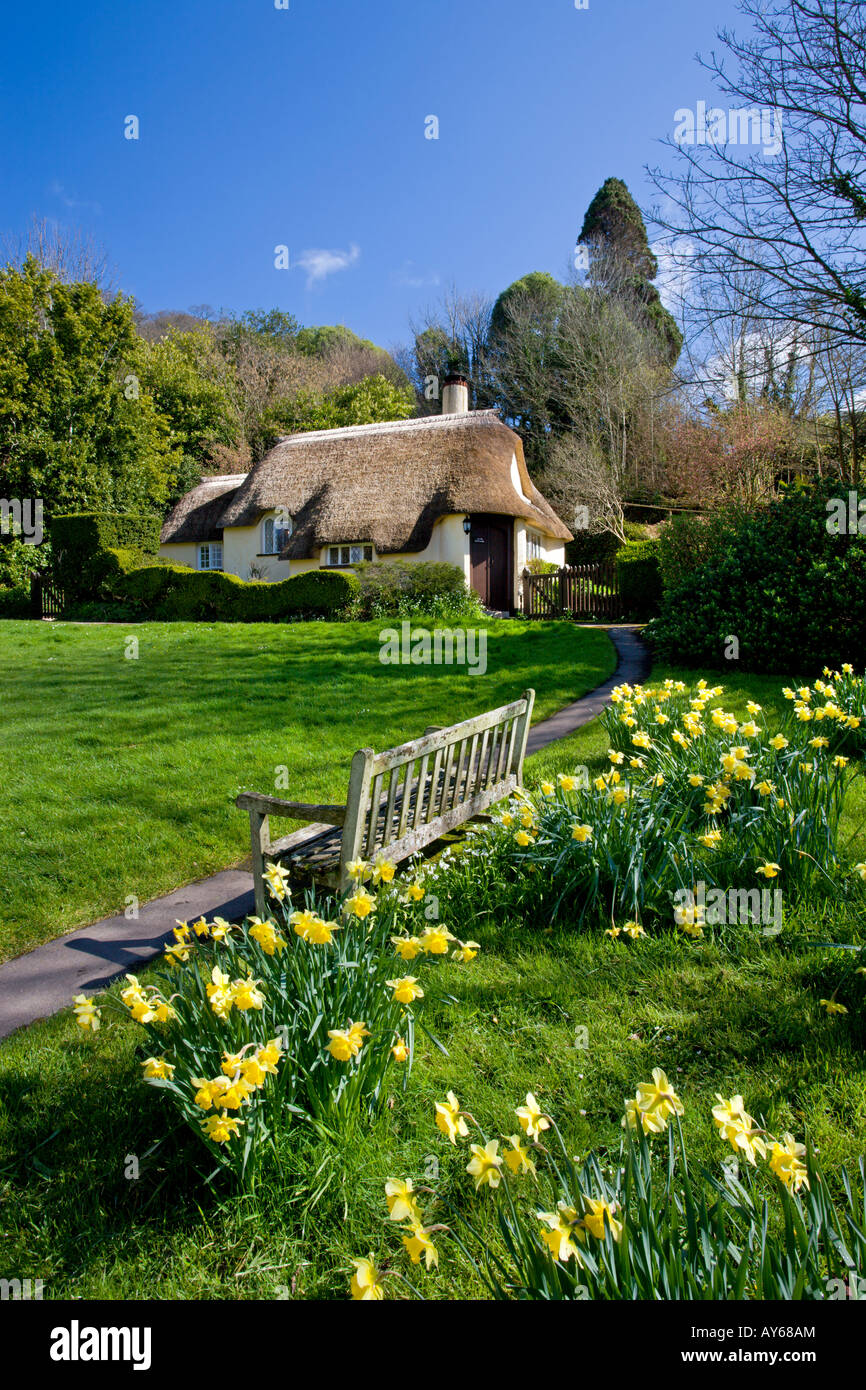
x=788, y=590
x=426, y=588
x=639, y=578
x=91, y=548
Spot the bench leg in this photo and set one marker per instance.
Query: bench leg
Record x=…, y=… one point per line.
x=260, y=836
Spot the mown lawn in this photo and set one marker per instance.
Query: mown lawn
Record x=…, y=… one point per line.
x=119, y=775
x=740, y=1018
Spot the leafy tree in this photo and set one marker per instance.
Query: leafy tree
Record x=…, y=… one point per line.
x=196, y=393
x=75, y=428
x=367, y=402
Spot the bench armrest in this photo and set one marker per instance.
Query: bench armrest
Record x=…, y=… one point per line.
x=293, y=810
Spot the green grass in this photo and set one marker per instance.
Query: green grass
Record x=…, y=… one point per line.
x=742, y=1018
x=119, y=775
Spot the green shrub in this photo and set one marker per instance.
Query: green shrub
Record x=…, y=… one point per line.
x=542, y=567
x=589, y=549
x=639, y=579
x=177, y=592
x=15, y=603
x=687, y=542
x=791, y=593
x=18, y=560
x=80, y=544
x=402, y=588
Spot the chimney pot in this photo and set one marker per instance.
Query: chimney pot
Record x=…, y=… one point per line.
x=455, y=396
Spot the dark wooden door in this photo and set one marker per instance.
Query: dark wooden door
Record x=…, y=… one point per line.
x=490, y=553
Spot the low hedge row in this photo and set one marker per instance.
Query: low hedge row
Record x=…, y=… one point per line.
x=174, y=591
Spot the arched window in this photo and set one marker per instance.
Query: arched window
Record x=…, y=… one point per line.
x=276, y=531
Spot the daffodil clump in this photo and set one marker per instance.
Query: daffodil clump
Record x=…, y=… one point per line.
x=764, y=1226
x=692, y=795
x=300, y=1014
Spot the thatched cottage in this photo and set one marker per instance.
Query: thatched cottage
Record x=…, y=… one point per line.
x=452, y=487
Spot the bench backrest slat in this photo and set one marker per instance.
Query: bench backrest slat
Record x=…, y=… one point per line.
x=405, y=798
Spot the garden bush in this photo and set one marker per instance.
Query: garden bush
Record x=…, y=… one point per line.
x=639, y=579
x=81, y=542
x=15, y=602
x=790, y=592
x=404, y=589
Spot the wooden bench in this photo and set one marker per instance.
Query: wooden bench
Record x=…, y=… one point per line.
x=399, y=802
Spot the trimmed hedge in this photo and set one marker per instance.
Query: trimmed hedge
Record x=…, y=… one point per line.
x=790, y=592
x=81, y=544
x=639, y=579
x=176, y=592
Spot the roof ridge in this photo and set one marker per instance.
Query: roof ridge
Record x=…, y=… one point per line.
x=392, y=426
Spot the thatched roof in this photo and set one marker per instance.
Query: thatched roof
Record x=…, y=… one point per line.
x=389, y=483
x=197, y=516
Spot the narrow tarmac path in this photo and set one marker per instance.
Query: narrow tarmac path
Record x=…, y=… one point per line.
x=43, y=981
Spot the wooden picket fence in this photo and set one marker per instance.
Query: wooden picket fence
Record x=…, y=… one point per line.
x=583, y=591
x=47, y=599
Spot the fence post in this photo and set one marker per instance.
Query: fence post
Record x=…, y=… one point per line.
x=35, y=594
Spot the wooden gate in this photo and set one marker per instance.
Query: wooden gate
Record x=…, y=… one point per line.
x=580, y=591
x=47, y=599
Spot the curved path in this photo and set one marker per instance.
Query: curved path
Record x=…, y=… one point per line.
x=43, y=981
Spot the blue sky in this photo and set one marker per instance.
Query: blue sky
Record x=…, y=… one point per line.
x=305, y=127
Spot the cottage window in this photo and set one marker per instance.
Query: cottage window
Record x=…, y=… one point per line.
x=210, y=556
x=349, y=554
x=534, y=546
x=274, y=536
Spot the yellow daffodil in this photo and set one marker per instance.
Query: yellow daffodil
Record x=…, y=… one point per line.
x=594, y=1219
x=400, y=1196
x=277, y=879
x=466, y=951
x=87, y=1015
x=360, y=904
x=518, y=1158
x=407, y=947
x=245, y=995
x=786, y=1161
x=832, y=1007
x=400, y=1050
x=221, y=1128
x=406, y=990
x=567, y=784
x=711, y=838
x=769, y=870
x=383, y=870
x=367, y=1285
x=485, y=1164
x=158, y=1069
x=359, y=870
x=449, y=1119
x=418, y=1244
x=532, y=1120
x=267, y=936
x=581, y=833
x=414, y=892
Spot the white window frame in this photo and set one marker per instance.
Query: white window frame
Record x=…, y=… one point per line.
x=210, y=555
x=345, y=556
x=534, y=545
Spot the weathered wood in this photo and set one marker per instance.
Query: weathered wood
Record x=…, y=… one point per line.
x=356, y=806
x=474, y=764
x=292, y=810
x=260, y=838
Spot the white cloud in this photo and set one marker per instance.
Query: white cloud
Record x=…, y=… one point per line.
x=57, y=190
x=319, y=264
x=409, y=277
